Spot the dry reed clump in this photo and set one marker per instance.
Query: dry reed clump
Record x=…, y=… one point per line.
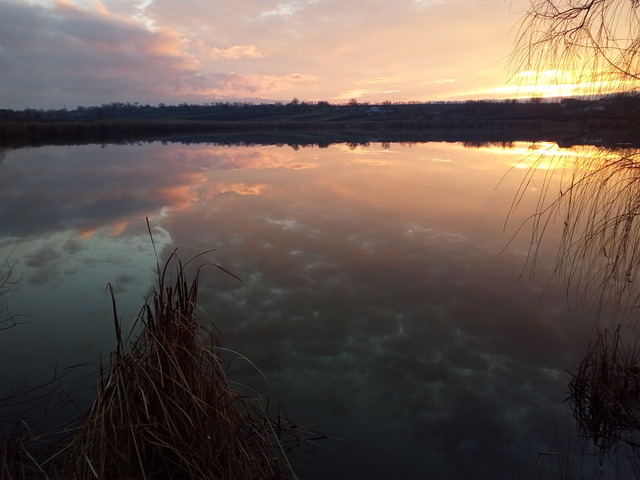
x=166, y=410
x=605, y=393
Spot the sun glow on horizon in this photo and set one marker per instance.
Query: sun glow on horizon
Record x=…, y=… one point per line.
x=251, y=57
x=558, y=84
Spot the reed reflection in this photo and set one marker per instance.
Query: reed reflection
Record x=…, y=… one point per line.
x=597, y=201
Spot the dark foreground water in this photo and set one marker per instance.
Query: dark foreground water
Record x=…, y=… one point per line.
x=376, y=296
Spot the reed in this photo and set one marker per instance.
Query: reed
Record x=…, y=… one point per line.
x=164, y=408
x=605, y=393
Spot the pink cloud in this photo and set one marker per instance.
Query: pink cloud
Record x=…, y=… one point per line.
x=242, y=85
x=236, y=52
x=204, y=50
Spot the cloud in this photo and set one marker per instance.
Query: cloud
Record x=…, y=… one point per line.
x=75, y=54
x=42, y=257
x=234, y=86
x=363, y=93
x=45, y=263
x=108, y=191
x=91, y=195
x=57, y=53
x=242, y=188
x=236, y=52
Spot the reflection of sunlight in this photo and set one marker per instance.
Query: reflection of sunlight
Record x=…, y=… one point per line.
x=369, y=162
x=370, y=150
x=430, y=234
x=360, y=153
x=526, y=148
x=250, y=158
x=541, y=155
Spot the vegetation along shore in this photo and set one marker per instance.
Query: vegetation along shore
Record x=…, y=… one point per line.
x=567, y=121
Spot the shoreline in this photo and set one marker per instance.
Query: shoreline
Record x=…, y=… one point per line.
x=15, y=135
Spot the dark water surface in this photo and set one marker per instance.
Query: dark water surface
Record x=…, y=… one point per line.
x=376, y=296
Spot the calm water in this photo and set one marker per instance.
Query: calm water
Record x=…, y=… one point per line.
x=376, y=296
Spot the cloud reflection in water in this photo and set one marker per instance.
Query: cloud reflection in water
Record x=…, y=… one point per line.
x=375, y=295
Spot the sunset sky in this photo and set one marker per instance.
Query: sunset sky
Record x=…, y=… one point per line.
x=56, y=53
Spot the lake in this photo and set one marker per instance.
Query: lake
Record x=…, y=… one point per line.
x=385, y=294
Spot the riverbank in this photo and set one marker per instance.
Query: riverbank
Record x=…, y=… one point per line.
x=567, y=122
x=34, y=134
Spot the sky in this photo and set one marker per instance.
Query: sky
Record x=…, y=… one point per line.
x=69, y=53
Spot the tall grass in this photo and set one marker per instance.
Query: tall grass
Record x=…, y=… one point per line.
x=164, y=407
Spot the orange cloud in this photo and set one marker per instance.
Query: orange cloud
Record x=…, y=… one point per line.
x=99, y=51
x=179, y=196
x=87, y=232
x=119, y=227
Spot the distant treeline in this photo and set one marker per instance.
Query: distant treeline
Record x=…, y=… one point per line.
x=610, y=119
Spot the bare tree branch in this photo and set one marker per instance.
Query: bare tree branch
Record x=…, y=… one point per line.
x=596, y=42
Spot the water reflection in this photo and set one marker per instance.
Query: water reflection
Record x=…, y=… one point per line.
x=596, y=198
x=376, y=296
